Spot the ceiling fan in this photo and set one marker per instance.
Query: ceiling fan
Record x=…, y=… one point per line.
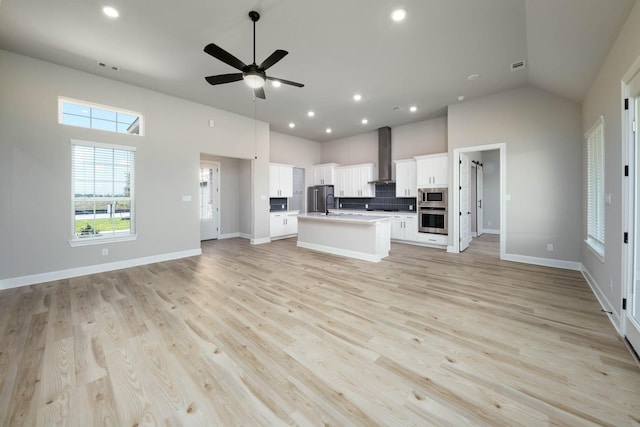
x=253, y=74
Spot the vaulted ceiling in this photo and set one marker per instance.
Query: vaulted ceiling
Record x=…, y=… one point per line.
x=336, y=48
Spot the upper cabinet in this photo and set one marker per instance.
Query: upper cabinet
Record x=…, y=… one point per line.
x=353, y=181
x=280, y=180
x=324, y=174
x=432, y=170
x=406, y=179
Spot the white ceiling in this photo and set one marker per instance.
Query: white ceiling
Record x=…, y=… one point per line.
x=336, y=48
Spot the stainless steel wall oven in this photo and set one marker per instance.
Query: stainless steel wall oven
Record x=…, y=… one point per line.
x=433, y=214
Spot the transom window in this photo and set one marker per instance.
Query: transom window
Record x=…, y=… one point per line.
x=595, y=187
x=84, y=114
x=102, y=192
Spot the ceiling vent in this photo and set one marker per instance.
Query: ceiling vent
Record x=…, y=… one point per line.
x=518, y=65
x=107, y=66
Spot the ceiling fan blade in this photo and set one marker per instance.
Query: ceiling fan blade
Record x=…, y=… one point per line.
x=287, y=82
x=224, y=78
x=273, y=58
x=224, y=56
x=259, y=92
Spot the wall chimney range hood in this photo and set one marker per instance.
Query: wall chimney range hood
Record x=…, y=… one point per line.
x=384, y=157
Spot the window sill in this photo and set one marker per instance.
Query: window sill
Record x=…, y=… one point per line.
x=596, y=247
x=101, y=240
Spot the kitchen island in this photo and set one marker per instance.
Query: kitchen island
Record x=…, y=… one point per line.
x=365, y=237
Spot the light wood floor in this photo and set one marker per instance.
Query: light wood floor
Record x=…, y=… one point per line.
x=273, y=335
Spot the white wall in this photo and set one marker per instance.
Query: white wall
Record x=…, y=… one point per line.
x=491, y=187
x=35, y=167
x=604, y=98
x=544, y=165
x=407, y=141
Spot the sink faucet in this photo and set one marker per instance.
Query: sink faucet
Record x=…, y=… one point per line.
x=326, y=202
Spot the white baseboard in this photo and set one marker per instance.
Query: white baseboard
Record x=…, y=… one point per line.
x=546, y=262
x=452, y=250
x=228, y=236
x=606, y=305
x=342, y=252
x=260, y=241
x=490, y=231
x=245, y=236
x=474, y=234
x=15, y=282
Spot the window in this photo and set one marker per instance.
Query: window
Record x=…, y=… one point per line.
x=93, y=116
x=102, y=192
x=595, y=187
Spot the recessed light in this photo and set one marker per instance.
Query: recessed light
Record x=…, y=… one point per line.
x=461, y=98
x=311, y=114
x=328, y=130
x=365, y=121
x=399, y=15
x=413, y=108
x=357, y=97
x=111, y=12
x=473, y=77
x=292, y=125
x=275, y=83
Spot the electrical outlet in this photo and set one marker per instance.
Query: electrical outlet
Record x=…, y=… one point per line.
x=366, y=205
x=340, y=205
x=410, y=207
x=105, y=251
x=550, y=247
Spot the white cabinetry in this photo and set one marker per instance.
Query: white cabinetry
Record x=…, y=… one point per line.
x=433, y=239
x=280, y=180
x=432, y=171
x=406, y=179
x=404, y=227
x=283, y=224
x=353, y=181
x=324, y=174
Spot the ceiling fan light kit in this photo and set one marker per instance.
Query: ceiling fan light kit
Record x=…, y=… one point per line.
x=254, y=75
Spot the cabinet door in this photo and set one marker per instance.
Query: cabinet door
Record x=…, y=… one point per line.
x=366, y=176
x=274, y=181
x=406, y=179
x=410, y=228
x=340, y=185
x=397, y=232
x=423, y=173
x=318, y=175
x=286, y=181
x=328, y=175
x=291, y=225
x=276, y=225
x=440, y=171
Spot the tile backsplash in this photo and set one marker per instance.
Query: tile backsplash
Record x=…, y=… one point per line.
x=385, y=200
x=278, y=204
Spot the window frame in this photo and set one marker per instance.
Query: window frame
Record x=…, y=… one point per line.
x=87, y=241
x=595, y=229
x=62, y=100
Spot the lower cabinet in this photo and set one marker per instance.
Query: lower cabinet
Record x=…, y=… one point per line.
x=433, y=239
x=404, y=227
x=283, y=224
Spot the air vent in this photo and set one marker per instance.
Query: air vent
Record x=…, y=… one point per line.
x=107, y=67
x=518, y=65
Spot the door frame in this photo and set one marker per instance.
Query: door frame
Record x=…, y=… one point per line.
x=454, y=195
x=628, y=201
x=216, y=166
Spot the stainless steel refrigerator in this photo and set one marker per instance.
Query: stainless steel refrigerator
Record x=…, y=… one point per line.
x=318, y=197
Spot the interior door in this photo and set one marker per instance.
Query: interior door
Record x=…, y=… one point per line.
x=209, y=200
x=465, y=210
x=632, y=314
x=479, y=201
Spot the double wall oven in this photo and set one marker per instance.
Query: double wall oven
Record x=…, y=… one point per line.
x=433, y=216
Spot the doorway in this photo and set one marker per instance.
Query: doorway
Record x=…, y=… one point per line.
x=209, y=200
x=460, y=216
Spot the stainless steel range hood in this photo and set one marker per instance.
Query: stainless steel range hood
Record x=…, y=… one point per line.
x=384, y=157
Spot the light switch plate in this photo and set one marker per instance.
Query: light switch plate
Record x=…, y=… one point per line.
x=186, y=198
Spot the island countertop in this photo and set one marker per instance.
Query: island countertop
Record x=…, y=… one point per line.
x=343, y=218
